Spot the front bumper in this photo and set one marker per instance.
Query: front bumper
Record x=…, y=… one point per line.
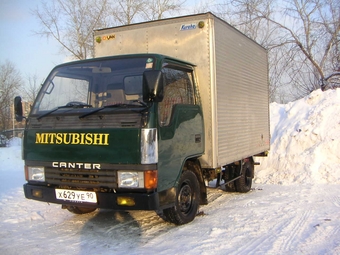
x=143, y=201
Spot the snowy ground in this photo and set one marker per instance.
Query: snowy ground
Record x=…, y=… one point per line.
x=294, y=207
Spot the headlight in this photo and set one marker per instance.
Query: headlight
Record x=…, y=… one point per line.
x=134, y=179
x=36, y=173
x=130, y=179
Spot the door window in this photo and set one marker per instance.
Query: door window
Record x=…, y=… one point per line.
x=178, y=90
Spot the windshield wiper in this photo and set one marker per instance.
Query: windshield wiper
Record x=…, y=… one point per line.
x=116, y=106
x=68, y=105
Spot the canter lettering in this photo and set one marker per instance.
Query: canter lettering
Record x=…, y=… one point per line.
x=72, y=138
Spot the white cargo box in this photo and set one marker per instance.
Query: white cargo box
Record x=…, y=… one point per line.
x=231, y=71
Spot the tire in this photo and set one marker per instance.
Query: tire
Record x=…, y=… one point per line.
x=243, y=184
x=80, y=210
x=187, y=200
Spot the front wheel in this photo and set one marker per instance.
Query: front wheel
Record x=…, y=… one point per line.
x=187, y=200
x=244, y=183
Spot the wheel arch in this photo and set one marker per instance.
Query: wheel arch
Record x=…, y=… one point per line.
x=193, y=164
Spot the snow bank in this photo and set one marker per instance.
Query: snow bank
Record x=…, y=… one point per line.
x=12, y=167
x=305, y=142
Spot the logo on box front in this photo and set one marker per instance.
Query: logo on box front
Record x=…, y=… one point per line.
x=186, y=27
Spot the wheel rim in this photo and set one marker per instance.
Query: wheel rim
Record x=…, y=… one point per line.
x=185, y=198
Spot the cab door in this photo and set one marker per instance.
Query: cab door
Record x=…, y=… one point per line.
x=180, y=123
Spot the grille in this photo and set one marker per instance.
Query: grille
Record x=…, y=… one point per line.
x=132, y=120
x=81, y=178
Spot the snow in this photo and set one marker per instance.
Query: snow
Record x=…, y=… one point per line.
x=293, y=208
x=305, y=141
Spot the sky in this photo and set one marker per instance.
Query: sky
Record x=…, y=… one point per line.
x=29, y=53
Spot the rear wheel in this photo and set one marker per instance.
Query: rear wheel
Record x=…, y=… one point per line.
x=187, y=200
x=79, y=210
x=244, y=183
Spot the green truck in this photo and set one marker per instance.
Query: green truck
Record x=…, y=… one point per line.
x=165, y=108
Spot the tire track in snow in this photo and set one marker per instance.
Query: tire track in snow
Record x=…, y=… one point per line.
x=287, y=229
x=256, y=245
x=325, y=229
x=337, y=201
x=324, y=232
x=292, y=232
x=154, y=226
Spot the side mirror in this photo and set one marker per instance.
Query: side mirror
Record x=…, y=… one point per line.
x=18, y=108
x=153, y=86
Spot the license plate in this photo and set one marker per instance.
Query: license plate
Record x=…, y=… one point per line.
x=76, y=195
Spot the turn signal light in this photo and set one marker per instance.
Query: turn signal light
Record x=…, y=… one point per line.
x=150, y=179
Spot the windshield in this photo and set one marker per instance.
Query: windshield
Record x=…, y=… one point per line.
x=97, y=84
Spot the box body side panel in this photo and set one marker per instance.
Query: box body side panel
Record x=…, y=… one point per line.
x=242, y=94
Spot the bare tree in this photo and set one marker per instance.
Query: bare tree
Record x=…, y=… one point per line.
x=32, y=88
x=10, y=82
x=158, y=9
x=71, y=23
x=127, y=11
x=201, y=6
x=310, y=27
x=130, y=11
x=240, y=14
